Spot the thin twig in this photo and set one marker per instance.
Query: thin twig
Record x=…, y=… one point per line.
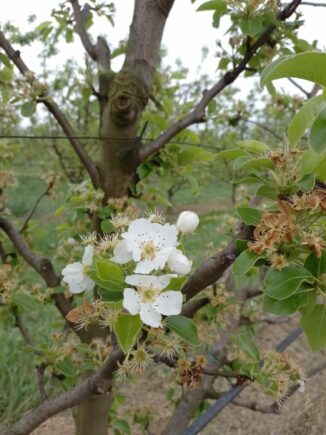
x=14, y=56
x=31, y=342
x=230, y=395
x=294, y=83
x=34, y=208
x=197, y=115
x=263, y=127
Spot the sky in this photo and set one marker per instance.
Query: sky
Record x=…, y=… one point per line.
x=186, y=32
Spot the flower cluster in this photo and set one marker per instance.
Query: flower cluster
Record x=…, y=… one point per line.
x=145, y=247
x=280, y=233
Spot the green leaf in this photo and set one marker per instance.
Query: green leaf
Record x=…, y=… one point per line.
x=247, y=345
x=246, y=162
x=5, y=60
x=313, y=163
x=213, y=5
x=25, y=301
x=310, y=65
x=281, y=284
x=252, y=26
x=28, y=109
x=315, y=265
x=108, y=271
x=314, y=325
x=307, y=183
x=184, y=327
x=66, y=367
x=317, y=136
x=108, y=276
x=106, y=226
x=285, y=306
x=245, y=262
x=110, y=295
x=127, y=328
x=254, y=146
x=304, y=118
x=177, y=283
x=232, y=154
x=267, y=192
x=249, y=216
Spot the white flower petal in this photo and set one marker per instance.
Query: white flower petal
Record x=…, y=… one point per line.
x=121, y=254
x=88, y=283
x=179, y=263
x=131, y=301
x=169, y=303
x=88, y=255
x=149, y=281
x=145, y=266
x=187, y=222
x=149, y=316
x=76, y=287
x=73, y=272
x=167, y=234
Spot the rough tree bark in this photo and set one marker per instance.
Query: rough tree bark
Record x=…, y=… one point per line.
x=128, y=95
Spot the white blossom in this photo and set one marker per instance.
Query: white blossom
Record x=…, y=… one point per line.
x=75, y=274
x=147, y=243
x=179, y=263
x=149, y=300
x=187, y=222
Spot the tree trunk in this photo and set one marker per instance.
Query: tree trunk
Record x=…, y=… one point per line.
x=91, y=417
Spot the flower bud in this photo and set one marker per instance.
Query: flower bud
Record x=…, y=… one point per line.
x=179, y=263
x=187, y=222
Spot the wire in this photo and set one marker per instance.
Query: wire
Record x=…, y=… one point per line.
x=8, y=136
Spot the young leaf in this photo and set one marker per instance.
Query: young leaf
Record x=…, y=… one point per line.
x=184, y=327
x=254, y=146
x=249, y=216
x=267, y=192
x=315, y=265
x=213, y=5
x=108, y=271
x=304, y=118
x=110, y=295
x=245, y=262
x=314, y=325
x=247, y=345
x=310, y=65
x=314, y=163
x=307, y=182
x=126, y=328
x=232, y=154
x=285, y=306
x=317, y=136
x=281, y=284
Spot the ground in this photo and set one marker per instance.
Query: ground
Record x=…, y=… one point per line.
x=303, y=413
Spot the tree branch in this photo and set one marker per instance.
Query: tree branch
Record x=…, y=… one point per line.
x=34, y=208
x=276, y=407
x=14, y=56
x=43, y=267
x=30, y=340
x=198, y=113
x=98, y=383
x=99, y=52
x=214, y=267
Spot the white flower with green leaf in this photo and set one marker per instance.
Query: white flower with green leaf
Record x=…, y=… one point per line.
x=76, y=274
x=148, y=244
x=149, y=300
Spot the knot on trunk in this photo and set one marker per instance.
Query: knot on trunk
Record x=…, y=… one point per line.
x=127, y=98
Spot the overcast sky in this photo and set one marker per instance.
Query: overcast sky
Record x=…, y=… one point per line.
x=186, y=32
